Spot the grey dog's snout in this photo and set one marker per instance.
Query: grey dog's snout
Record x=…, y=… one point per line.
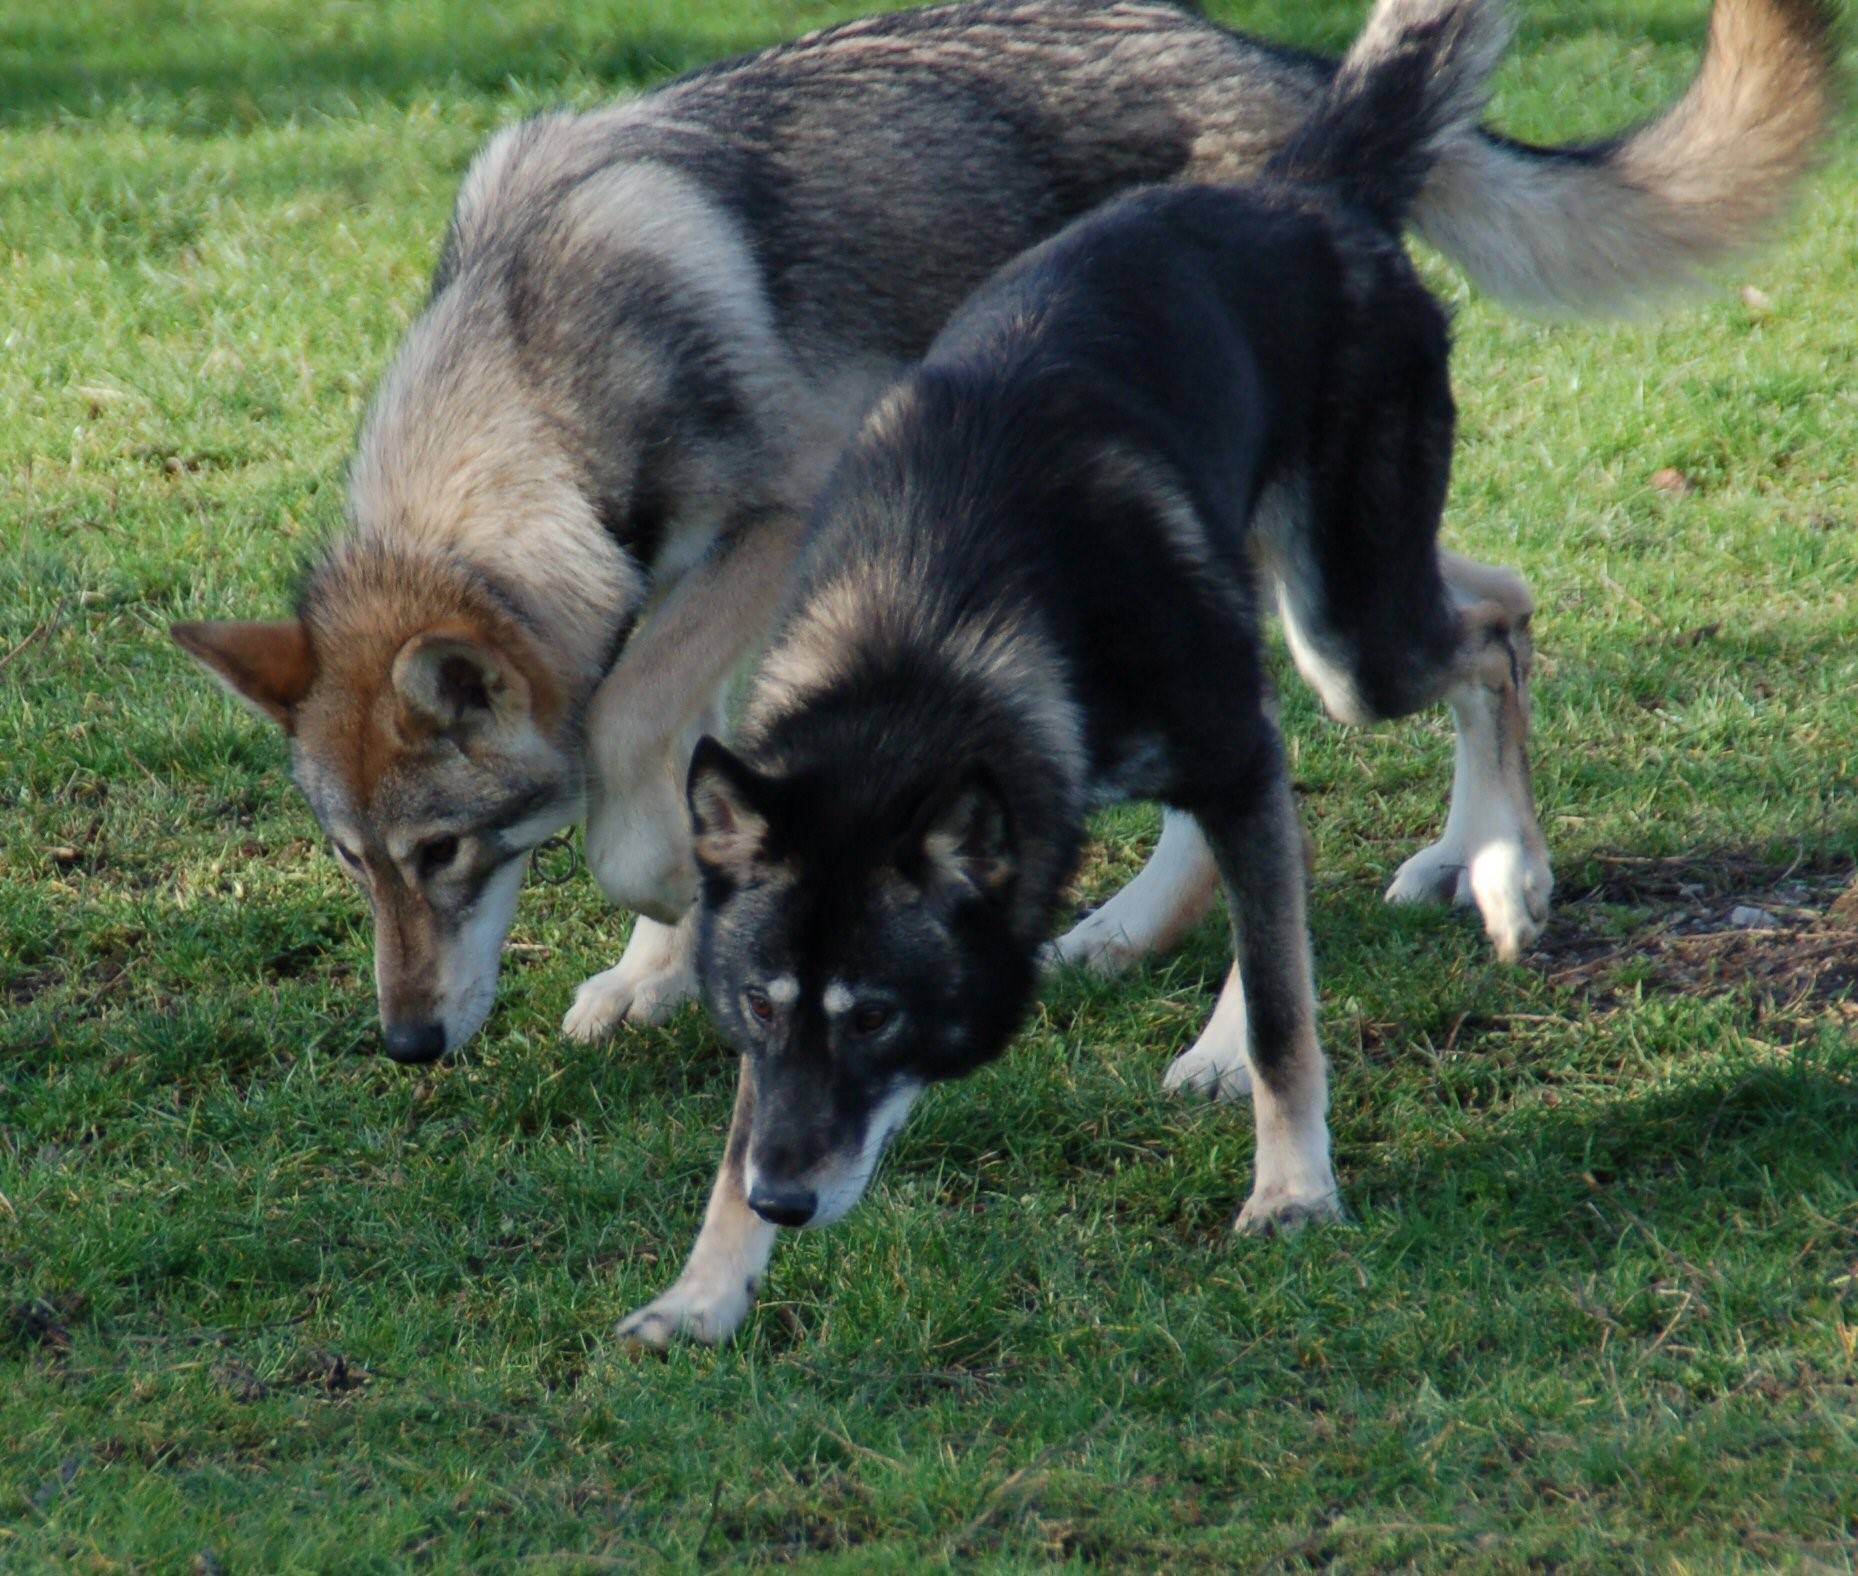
x=415, y=1042
x=783, y=1205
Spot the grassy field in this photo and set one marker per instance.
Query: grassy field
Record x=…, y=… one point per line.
x=268, y=1302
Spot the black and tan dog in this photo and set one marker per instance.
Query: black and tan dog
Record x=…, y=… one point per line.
x=1033, y=588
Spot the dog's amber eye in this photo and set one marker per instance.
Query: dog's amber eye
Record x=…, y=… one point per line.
x=868, y=1020
x=437, y=854
x=759, y=1004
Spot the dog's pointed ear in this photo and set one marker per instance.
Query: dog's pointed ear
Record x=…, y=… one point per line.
x=965, y=838
x=267, y=664
x=453, y=683
x=728, y=802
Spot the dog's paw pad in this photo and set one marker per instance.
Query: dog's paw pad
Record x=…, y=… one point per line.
x=1218, y=1073
x=646, y=1331
x=600, y=1007
x=1507, y=881
x=657, y=1325
x=658, y=996
x=1280, y=1213
x=1435, y=875
x=622, y=996
x=1512, y=884
x=1092, y=944
x=699, y=1311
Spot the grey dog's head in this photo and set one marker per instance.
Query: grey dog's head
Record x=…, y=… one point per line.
x=436, y=750
x=854, y=946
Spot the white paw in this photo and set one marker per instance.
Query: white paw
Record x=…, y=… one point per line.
x=691, y=1311
x=1508, y=882
x=1276, y=1211
x=1096, y=943
x=1220, y=1072
x=1433, y=875
x=1511, y=883
x=625, y=994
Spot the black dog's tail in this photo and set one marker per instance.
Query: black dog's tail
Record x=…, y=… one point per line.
x=1415, y=81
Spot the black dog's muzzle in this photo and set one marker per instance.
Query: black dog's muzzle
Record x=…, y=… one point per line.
x=781, y=1205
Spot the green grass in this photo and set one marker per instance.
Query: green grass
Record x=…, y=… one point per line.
x=270, y=1303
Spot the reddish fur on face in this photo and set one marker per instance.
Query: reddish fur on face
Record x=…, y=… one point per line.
x=270, y=664
x=327, y=677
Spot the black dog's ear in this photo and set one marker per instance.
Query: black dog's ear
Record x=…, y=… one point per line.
x=727, y=799
x=966, y=837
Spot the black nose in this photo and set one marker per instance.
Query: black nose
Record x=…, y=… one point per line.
x=783, y=1206
x=415, y=1042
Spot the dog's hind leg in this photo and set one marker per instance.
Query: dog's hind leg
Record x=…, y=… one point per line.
x=1168, y=897
x=1491, y=852
x=1260, y=855
x=1459, y=633
x=709, y=1301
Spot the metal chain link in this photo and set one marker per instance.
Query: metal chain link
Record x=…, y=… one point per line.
x=561, y=841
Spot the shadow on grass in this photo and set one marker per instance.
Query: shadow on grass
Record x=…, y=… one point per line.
x=1552, y=1186
x=1687, y=1163
x=229, y=88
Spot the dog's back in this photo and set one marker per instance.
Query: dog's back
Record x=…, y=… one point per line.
x=1165, y=312
x=855, y=147
x=1104, y=420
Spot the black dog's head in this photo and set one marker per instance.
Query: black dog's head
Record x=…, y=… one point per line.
x=854, y=946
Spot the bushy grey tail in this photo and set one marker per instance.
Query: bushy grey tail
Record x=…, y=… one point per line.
x=1414, y=83
x=1605, y=227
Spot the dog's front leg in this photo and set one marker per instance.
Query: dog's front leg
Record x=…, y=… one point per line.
x=713, y=1295
x=638, y=847
x=1168, y=897
x=1218, y=1064
x=655, y=973
x=668, y=689
x=1259, y=847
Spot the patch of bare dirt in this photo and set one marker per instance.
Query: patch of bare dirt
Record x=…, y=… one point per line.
x=1717, y=927
x=330, y=1372
x=23, y=989
x=41, y=1322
